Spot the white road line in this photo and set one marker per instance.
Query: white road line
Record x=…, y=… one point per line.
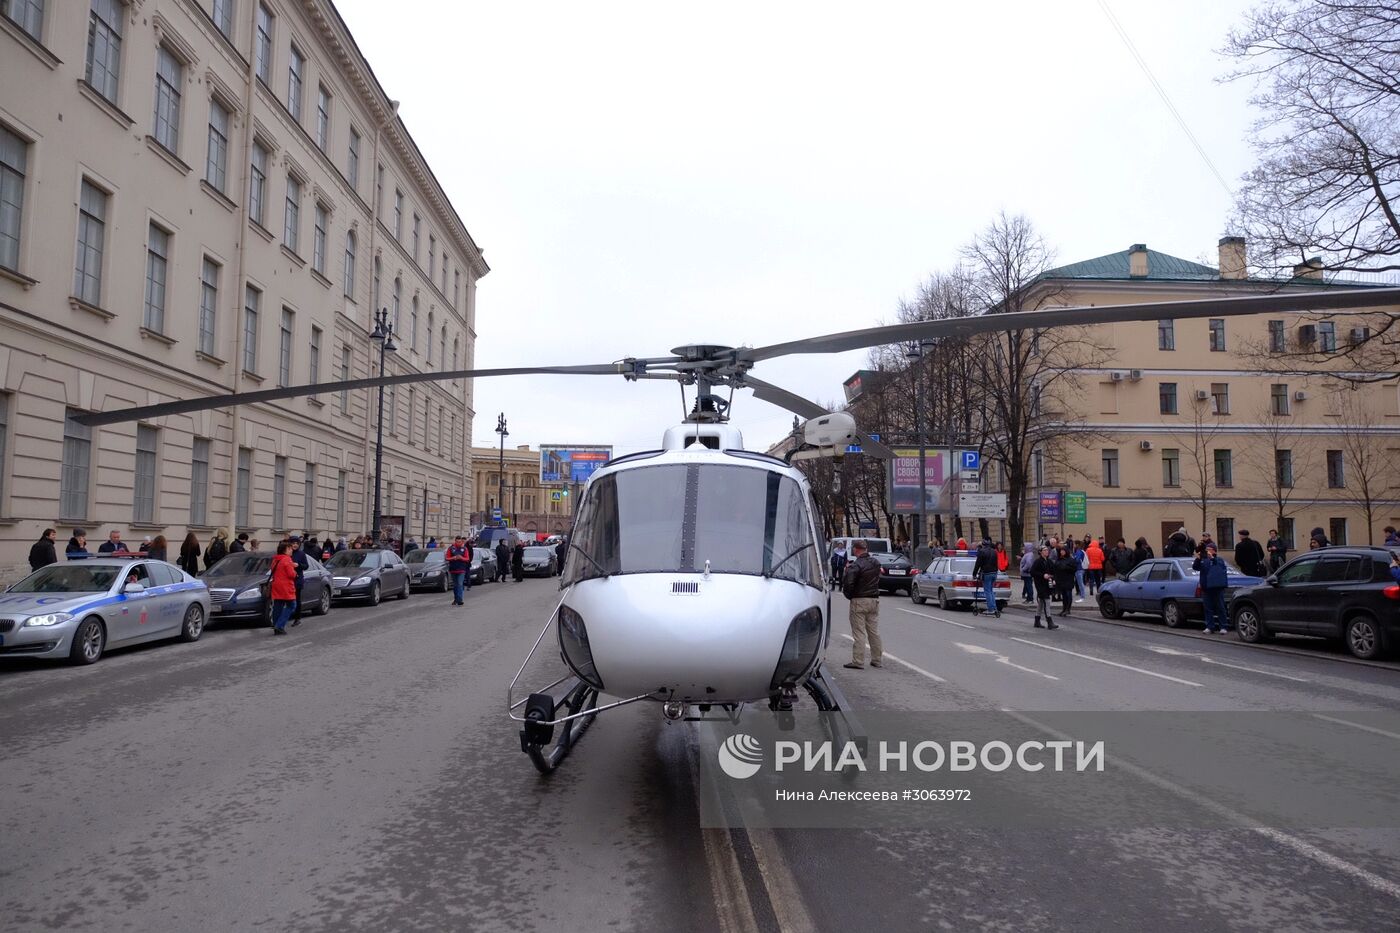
x=925, y=615
x=477, y=653
x=1357, y=725
x=1002, y=659
x=913, y=667
x=1162, y=649
x=1126, y=667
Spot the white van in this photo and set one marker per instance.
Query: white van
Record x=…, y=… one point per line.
x=875, y=545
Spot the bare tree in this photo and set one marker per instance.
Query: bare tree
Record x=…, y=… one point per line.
x=1197, y=452
x=1284, y=458
x=1370, y=475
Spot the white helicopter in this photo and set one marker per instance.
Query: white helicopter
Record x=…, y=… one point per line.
x=694, y=577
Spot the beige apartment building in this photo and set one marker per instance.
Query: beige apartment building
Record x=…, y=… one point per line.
x=1174, y=416
x=201, y=197
x=530, y=506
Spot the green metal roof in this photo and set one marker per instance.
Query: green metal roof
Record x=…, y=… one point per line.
x=1160, y=268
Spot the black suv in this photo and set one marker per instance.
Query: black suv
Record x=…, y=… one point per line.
x=1332, y=592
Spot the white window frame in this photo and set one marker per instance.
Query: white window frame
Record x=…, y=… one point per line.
x=157, y=276
x=291, y=214
x=103, y=60
x=92, y=240
x=170, y=79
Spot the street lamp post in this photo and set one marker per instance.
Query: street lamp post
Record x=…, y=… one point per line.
x=384, y=333
x=915, y=353
x=501, y=468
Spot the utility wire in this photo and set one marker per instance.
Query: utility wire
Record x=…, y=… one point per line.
x=1166, y=99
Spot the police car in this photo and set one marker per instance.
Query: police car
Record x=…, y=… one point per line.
x=79, y=609
x=949, y=580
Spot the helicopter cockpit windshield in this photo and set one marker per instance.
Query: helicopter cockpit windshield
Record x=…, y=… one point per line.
x=674, y=518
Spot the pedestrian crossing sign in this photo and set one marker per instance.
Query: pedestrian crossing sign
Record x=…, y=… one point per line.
x=556, y=495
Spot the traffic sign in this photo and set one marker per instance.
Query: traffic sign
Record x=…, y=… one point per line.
x=857, y=449
x=496, y=514
x=556, y=495
x=969, y=460
x=982, y=505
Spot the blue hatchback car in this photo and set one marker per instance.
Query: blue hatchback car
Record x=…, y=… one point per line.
x=1166, y=587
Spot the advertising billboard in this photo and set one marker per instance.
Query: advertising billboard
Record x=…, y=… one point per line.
x=1051, y=507
x=1076, y=508
x=903, y=480
x=561, y=465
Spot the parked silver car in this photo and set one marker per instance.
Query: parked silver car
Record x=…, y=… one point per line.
x=369, y=574
x=77, y=610
x=949, y=580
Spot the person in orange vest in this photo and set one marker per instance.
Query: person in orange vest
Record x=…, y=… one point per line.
x=1002, y=560
x=1093, y=554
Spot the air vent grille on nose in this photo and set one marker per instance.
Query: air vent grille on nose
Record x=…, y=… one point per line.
x=685, y=588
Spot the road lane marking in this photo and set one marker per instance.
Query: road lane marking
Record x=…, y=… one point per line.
x=263, y=655
x=913, y=667
x=1002, y=659
x=925, y=615
x=1173, y=652
x=477, y=653
x=1126, y=667
x=1357, y=725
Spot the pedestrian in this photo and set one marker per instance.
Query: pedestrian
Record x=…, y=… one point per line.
x=1081, y=563
x=283, y=588
x=1395, y=566
x=158, y=548
x=1120, y=559
x=838, y=563
x=459, y=565
x=502, y=558
x=1065, y=569
x=253, y=544
x=1317, y=539
x=1215, y=577
x=1249, y=556
x=432, y=543
x=860, y=583
x=937, y=550
x=1093, y=553
x=962, y=544
x=1003, y=560
x=1200, y=549
x=1141, y=551
x=217, y=549
x=189, y=555
x=239, y=544
x=517, y=562
x=1278, y=551
x=984, y=572
x=411, y=544
x=1178, y=544
x=1392, y=537
x=561, y=550
x=43, y=552
x=114, y=544
x=302, y=564
x=145, y=546
x=77, y=546
x=1043, y=573
x=1028, y=557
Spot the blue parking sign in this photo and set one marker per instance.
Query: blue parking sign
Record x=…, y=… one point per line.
x=970, y=460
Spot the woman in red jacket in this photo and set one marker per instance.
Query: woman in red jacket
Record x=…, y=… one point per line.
x=1002, y=560
x=283, y=589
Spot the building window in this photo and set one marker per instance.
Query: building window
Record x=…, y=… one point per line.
x=143, y=501
x=444, y=271
x=1276, y=338
x=398, y=215
x=1224, y=532
x=308, y=498
x=1338, y=531
x=242, y=488
x=296, y=68
x=379, y=189
x=1217, y=335
x=323, y=116
x=391, y=404
x=1171, y=467
x=1166, y=335
x=318, y=240
x=428, y=339
x=1327, y=336
x=92, y=235
x=432, y=257
x=412, y=410
x=27, y=15
x=216, y=163
x=77, y=459
x=222, y=15
x=4, y=438
x=252, y=301
x=1285, y=531
x=257, y=187
x=456, y=286
x=1336, y=470
x=291, y=219
x=169, y=80
x=442, y=347
x=375, y=286
x=14, y=162
x=262, y=51
x=1224, y=473
x=352, y=162
x=340, y=501
x=1166, y=398
x=1278, y=399
x=349, y=273
x=104, y=47
x=199, y=482
x=1220, y=398
x=413, y=325
x=1110, y=467
x=284, y=352
x=456, y=352
x=1038, y=467
x=314, y=362
x=394, y=301
x=1283, y=469
x=279, y=493
x=157, y=251
x=345, y=377
x=417, y=227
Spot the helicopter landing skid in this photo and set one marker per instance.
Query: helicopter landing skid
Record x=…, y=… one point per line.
x=845, y=727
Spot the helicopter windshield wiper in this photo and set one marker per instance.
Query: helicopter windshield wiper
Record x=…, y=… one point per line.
x=589, y=558
x=774, y=569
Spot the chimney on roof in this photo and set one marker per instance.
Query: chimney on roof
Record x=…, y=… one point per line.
x=1233, y=258
x=1137, y=260
x=1309, y=269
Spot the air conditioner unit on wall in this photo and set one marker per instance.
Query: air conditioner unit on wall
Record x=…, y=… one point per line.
x=1135, y=375
x=1144, y=445
x=1300, y=396
x=1116, y=376
x=1202, y=395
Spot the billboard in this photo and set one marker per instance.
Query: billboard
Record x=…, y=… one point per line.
x=1076, y=508
x=1051, y=507
x=562, y=465
x=903, y=480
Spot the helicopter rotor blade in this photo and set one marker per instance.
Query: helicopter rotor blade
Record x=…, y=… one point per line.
x=1354, y=299
x=184, y=406
x=806, y=408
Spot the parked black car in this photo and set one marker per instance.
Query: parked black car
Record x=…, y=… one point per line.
x=369, y=574
x=427, y=569
x=484, y=568
x=1332, y=592
x=896, y=572
x=539, y=561
x=238, y=587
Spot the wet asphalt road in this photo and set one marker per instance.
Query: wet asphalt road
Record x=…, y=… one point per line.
x=361, y=775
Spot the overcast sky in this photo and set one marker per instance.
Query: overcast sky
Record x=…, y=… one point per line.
x=643, y=175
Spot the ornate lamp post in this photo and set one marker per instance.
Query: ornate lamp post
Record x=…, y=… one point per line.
x=501, y=467
x=383, y=333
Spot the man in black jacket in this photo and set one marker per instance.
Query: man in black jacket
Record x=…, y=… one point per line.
x=502, y=559
x=861, y=585
x=42, y=553
x=1043, y=575
x=298, y=556
x=1249, y=556
x=985, y=571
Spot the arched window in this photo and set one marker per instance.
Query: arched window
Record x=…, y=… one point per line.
x=350, y=264
x=413, y=325
x=456, y=353
x=377, y=294
x=394, y=308
x=428, y=339
x=442, y=347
